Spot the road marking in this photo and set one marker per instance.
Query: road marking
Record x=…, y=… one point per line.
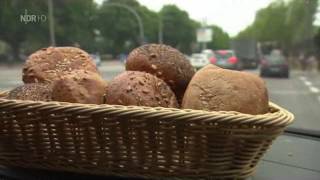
x=307, y=83
x=314, y=89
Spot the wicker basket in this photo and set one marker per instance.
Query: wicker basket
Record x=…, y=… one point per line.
x=135, y=141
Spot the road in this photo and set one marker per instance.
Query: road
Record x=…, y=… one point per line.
x=11, y=76
x=300, y=93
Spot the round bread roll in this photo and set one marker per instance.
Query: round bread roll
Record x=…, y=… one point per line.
x=217, y=89
x=164, y=62
x=140, y=89
x=32, y=91
x=80, y=87
x=49, y=64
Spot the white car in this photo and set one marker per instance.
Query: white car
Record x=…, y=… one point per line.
x=199, y=60
x=208, y=52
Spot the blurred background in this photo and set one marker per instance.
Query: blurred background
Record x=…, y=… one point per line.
x=276, y=39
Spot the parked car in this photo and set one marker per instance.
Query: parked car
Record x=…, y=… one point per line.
x=96, y=59
x=199, y=60
x=208, y=52
x=226, y=59
x=274, y=64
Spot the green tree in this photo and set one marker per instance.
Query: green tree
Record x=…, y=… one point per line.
x=220, y=39
x=300, y=18
x=105, y=28
x=120, y=30
x=75, y=23
x=284, y=23
x=13, y=30
x=269, y=25
x=178, y=29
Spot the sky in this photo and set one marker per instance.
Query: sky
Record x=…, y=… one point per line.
x=231, y=15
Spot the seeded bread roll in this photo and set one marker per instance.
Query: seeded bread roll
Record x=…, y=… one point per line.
x=141, y=89
x=49, y=64
x=217, y=89
x=80, y=87
x=32, y=92
x=164, y=62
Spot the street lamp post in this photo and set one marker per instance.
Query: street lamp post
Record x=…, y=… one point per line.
x=160, y=30
x=51, y=23
x=134, y=12
x=51, y=20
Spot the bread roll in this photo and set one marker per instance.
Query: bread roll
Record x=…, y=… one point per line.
x=49, y=64
x=217, y=89
x=164, y=62
x=141, y=89
x=80, y=87
x=32, y=92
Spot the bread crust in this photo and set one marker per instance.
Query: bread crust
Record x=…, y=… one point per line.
x=217, y=89
x=32, y=92
x=140, y=89
x=80, y=87
x=50, y=64
x=165, y=62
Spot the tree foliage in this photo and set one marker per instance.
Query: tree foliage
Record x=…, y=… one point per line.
x=74, y=22
x=179, y=30
x=282, y=22
x=220, y=39
x=13, y=31
x=98, y=28
x=119, y=27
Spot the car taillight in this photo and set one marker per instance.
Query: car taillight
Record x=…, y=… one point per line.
x=213, y=60
x=232, y=60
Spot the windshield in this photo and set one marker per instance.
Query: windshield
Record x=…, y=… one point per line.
x=276, y=59
x=110, y=29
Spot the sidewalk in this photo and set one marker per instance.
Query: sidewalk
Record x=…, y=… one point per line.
x=104, y=64
x=114, y=66
x=13, y=66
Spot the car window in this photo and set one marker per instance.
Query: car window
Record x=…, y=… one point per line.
x=275, y=58
x=224, y=55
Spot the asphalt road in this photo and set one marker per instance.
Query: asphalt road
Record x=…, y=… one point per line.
x=11, y=76
x=300, y=93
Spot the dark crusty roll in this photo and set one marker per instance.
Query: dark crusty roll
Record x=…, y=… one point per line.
x=80, y=87
x=217, y=89
x=49, y=64
x=164, y=62
x=141, y=89
x=32, y=91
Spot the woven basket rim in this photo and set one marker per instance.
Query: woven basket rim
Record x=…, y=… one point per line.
x=276, y=117
x=243, y=137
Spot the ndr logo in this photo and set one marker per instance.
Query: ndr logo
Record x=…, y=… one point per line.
x=32, y=18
